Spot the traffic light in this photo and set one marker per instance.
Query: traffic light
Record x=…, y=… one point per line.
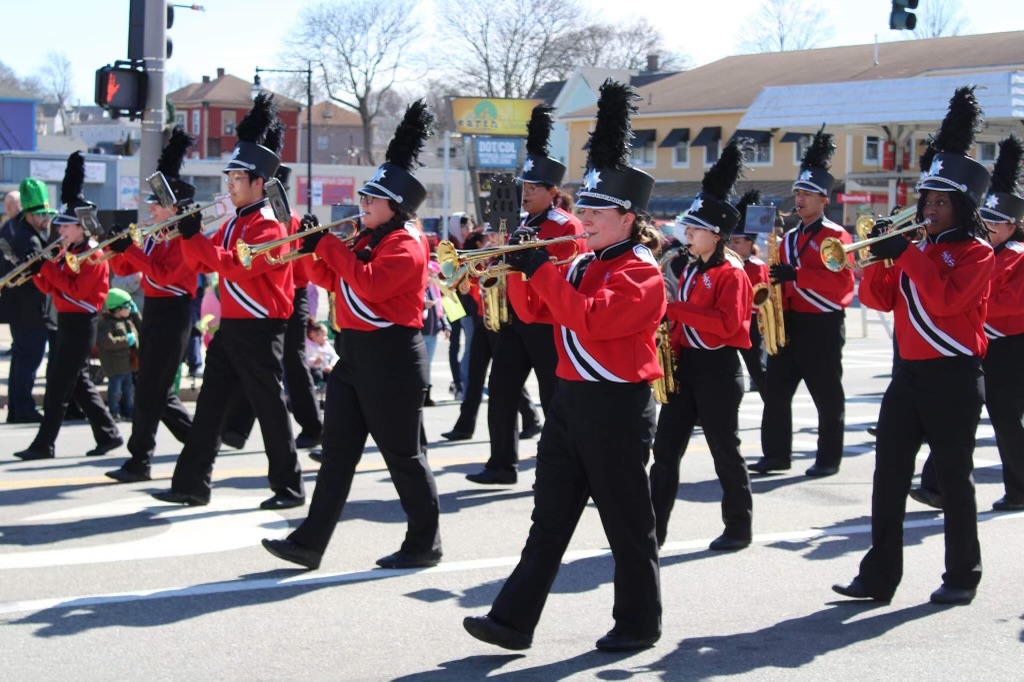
x=121, y=90
x=137, y=27
x=901, y=17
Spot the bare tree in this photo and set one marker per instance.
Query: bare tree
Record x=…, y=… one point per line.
x=622, y=47
x=937, y=18
x=506, y=53
x=356, y=47
x=57, y=79
x=9, y=80
x=781, y=25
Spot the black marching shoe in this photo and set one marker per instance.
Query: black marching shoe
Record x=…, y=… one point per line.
x=726, y=543
x=530, y=431
x=283, y=501
x=126, y=475
x=31, y=453
x=304, y=441
x=316, y=455
x=403, y=559
x=104, y=448
x=455, y=434
x=856, y=589
x=614, y=641
x=486, y=629
x=819, y=471
x=297, y=554
x=233, y=439
x=27, y=418
x=767, y=464
x=953, y=596
x=493, y=477
x=927, y=497
x=1006, y=504
x=173, y=497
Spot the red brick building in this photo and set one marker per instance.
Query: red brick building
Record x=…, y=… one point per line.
x=210, y=110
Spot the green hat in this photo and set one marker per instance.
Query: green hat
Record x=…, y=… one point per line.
x=116, y=298
x=35, y=198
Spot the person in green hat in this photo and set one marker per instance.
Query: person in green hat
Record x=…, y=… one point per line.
x=118, y=342
x=29, y=311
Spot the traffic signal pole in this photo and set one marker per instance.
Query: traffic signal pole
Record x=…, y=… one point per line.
x=155, y=54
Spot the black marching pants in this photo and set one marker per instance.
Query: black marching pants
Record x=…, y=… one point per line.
x=245, y=355
x=752, y=358
x=377, y=389
x=814, y=355
x=521, y=347
x=710, y=389
x=163, y=340
x=297, y=379
x=595, y=444
x=481, y=352
x=67, y=377
x=937, y=402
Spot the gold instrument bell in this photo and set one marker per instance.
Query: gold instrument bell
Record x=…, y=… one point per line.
x=835, y=254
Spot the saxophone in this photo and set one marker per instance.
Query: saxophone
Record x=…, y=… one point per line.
x=494, y=296
x=665, y=386
x=768, y=298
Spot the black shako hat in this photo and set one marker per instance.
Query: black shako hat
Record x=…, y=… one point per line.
x=71, y=196
x=1003, y=203
x=711, y=209
x=394, y=178
x=952, y=170
x=814, y=167
x=539, y=167
x=171, y=159
x=610, y=182
x=250, y=153
x=752, y=197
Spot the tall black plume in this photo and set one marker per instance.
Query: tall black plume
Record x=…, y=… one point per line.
x=538, y=130
x=819, y=154
x=410, y=135
x=961, y=124
x=720, y=179
x=1006, y=174
x=254, y=125
x=609, y=143
x=173, y=155
x=74, y=179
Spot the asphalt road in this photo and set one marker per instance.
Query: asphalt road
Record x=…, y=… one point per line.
x=100, y=582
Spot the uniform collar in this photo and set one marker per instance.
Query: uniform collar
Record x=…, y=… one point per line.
x=537, y=219
x=614, y=251
x=956, y=234
x=251, y=208
x=813, y=228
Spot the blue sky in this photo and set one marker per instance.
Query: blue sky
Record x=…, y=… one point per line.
x=242, y=34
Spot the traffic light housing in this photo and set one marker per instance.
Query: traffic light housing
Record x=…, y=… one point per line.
x=901, y=18
x=137, y=28
x=121, y=89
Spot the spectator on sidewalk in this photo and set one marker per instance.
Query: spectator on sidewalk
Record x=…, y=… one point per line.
x=118, y=342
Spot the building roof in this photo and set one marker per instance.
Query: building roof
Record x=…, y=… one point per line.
x=732, y=83
x=549, y=91
x=225, y=91
x=11, y=92
x=330, y=114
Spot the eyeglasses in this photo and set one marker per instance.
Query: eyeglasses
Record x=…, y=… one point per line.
x=366, y=199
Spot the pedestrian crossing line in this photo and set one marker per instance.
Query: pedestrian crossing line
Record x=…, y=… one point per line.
x=308, y=579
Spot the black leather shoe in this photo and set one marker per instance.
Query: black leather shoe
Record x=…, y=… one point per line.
x=486, y=629
x=856, y=589
x=124, y=475
x=614, y=641
x=31, y=453
x=316, y=455
x=180, y=498
x=27, y=418
x=818, y=471
x=725, y=543
x=927, y=496
x=283, y=501
x=493, y=477
x=233, y=439
x=766, y=464
x=104, y=448
x=304, y=441
x=1006, y=504
x=297, y=554
x=955, y=596
x=872, y=430
x=401, y=559
x=455, y=434
x=530, y=431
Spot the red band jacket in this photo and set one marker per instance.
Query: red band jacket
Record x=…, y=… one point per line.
x=757, y=272
x=1006, y=299
x=712, y=306
x=82, y=292
x=938, y=293
x=388, y=288
x=817, y=289
x=165, y=273
x=263, y=292
x=605, y=307
x=558, y=223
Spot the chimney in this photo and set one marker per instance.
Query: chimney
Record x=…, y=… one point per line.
x=220, y=70
x=206, y=79
x=652, y=63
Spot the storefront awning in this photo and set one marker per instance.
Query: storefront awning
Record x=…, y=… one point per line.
x=677, y=136
x=707, y=136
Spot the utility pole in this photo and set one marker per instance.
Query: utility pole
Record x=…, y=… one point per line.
x=154, y=47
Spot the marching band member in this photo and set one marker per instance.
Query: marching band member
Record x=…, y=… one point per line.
x=245, y=354
x=523, y=346
x=937, y=291
x=379, y=382
x=814, y=299
x=169, y=284
x=596, y=440
x=77, y=298
x=743, y=243
x=711, y=317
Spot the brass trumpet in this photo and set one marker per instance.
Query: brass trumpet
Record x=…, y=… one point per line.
x=20, y=275
x=139, y=233
x=452, y=260
x=835, y=254
x=248, y=252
